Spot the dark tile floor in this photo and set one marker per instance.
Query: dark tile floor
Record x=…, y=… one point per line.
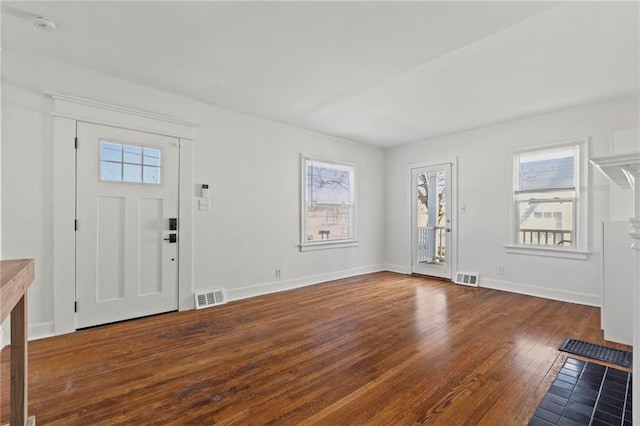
x=585, y=393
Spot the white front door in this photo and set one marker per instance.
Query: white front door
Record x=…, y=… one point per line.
x=127, y=192
x=431, y=221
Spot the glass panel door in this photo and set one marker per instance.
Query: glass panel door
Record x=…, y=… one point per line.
x=431, y=222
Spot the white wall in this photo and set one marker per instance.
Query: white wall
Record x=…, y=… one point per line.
x=253, y=168
x=1, y=323
x=622, y=142
x=251, y=165
x=484, y=176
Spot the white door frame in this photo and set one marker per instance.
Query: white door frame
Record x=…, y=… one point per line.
x=67, y=111
x=453, y=209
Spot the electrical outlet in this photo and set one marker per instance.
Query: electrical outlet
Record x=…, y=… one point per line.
x=500, y=270
x=204, y=205
x=278, y=273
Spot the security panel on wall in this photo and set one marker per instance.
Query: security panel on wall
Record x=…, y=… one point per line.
x=204, y=190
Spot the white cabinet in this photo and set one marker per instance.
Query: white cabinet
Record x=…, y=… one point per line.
x=617, y=286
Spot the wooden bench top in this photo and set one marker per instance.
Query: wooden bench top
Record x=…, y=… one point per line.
x=16, y=276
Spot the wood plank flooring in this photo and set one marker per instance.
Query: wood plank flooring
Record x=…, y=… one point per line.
x=379, y=349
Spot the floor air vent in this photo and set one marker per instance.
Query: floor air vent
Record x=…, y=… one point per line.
x=467, y=279
x=212, y=298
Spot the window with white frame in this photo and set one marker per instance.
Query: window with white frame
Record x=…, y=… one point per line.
x=328, y=202
x=130, y=163
x=546, y=197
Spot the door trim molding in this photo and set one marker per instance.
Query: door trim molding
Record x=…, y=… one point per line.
x=66, y=112
x=454, y=208
x=98, y=112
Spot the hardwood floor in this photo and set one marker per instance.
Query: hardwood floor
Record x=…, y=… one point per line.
x=379, y=349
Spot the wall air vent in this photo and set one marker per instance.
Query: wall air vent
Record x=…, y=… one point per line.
x=211, y=298
x=465, y=278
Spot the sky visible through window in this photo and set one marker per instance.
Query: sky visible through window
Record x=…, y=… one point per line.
x=328, y=201
x=130, y=163
x=327, y=184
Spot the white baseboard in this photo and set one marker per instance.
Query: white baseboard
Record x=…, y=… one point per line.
x=276, y=286
x=42, y=330
x=35, y=332
x=5, y=332
x=546, y=293
x=396, y=268
x=47, y=329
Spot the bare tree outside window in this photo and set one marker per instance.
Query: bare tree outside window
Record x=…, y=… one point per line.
x=431, y=216
x=423, y=193
x=328, y=201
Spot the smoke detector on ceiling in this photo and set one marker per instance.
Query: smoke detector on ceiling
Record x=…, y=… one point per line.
x=46, y=24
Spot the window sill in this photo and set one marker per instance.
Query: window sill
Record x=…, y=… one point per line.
x=328, y=245
x=548, y=252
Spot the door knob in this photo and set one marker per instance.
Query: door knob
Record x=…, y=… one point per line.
x=172, y=238
x=447, y=229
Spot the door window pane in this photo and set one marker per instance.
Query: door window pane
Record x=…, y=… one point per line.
x=151, y=175
x=431, y=217
x=110, y=171
x=132, y=154
x=151, y=156
x=132, y=173
x=130, y=163
x=111, y=151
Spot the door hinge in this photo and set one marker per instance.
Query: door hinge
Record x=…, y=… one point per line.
x=75, y=142
x=75, y=306
x=75, y=224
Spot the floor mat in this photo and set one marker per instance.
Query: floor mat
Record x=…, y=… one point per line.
x=601, y=353
x=585, y=393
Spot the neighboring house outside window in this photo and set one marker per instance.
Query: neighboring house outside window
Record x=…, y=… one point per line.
x=546, y=197
x=328, y=204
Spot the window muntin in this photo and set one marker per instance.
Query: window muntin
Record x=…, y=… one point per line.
x=125, y=163
x=546, y=197
x=328, y=213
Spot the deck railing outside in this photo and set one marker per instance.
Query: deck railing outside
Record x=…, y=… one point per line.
x=546, y=237
x=559, y=237
x=438, y=253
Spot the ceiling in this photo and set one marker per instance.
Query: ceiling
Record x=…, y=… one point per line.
x=380, y=73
